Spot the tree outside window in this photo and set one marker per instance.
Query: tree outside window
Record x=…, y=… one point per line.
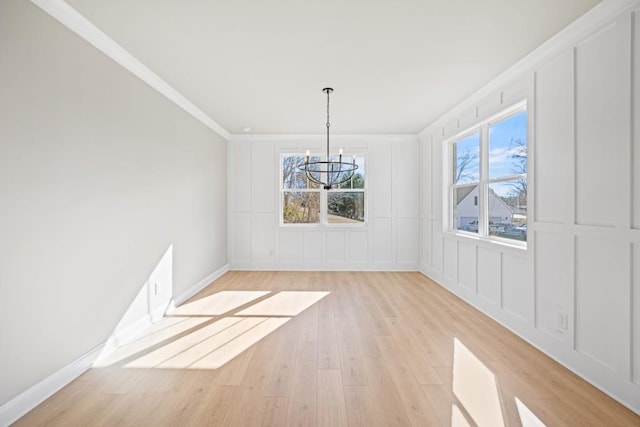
x=303, y=202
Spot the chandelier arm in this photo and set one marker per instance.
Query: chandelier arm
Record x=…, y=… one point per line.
x=313, y=178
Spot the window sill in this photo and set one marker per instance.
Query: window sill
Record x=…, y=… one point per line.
x=517, y=247
x=363, y=226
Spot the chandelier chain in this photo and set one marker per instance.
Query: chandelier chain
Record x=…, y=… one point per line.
x=328, y=123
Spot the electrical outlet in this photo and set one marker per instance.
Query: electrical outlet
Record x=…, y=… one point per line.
x=563, y=322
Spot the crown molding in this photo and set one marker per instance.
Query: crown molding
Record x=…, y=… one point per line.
x=72, y=19
x=323, y=138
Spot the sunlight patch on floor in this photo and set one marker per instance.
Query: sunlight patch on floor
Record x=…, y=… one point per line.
x=165, y=329
x=174, y=348
x=475, y=387
x=212, y=346
x=527, y=417
x=235, y=347
x=218, y=303
x=212, y=341
x=191, y=354
x=285, y=303
x=457, y=418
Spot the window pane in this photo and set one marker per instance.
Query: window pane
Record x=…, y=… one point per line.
x=508, y=146
x=507, y=205
x=292, y=177
x=465, y=200
x=466, y=154
x=300, y=207
x=357, y=180
x=343, y=207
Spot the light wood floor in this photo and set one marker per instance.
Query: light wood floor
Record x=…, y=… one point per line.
x=380, y=349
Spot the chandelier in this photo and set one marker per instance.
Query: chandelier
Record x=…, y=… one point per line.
x=329, y=172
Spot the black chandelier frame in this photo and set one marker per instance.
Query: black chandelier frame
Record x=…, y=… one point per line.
x=328, y=173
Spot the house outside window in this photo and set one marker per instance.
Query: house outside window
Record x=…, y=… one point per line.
x=488, y=178
x=304, y=202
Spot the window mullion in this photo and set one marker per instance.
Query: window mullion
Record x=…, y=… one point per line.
x=483, y=203
x=324, y=199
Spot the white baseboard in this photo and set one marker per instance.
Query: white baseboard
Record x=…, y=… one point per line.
x=20, y=405
x=126, y=335
x=323, y=266
x=184, y=296
x=17, y=407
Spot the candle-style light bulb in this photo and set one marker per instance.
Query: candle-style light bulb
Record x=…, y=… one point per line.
x=307, y=156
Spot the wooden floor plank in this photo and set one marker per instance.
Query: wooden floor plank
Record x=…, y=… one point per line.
x=331, y=400
x=361, y=411
x=418, y=406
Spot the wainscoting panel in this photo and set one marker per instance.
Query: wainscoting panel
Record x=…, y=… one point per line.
x=382, y=240
x=335, y=246
x=407, y=240
x=516, y=286
x=312, y=246
x=602, y=123
x=489, y=275
x=554, y=139
x=602, y=285
x=467, y=266
x=553, y=287
x=289, y=246
x=451, y=260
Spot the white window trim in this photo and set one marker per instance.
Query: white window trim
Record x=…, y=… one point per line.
x=324, y=195
x=484, y=181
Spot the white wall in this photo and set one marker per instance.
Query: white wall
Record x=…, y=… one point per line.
x=389, y=241
x=583, y=93
x=101, y=178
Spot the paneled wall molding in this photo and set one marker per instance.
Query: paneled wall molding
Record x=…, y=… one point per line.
x=575, y=292
x=389, y=239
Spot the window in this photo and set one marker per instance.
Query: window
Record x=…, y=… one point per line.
x=303, y=202
x=488, y=180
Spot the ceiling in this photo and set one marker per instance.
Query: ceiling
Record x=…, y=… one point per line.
x=396, y=66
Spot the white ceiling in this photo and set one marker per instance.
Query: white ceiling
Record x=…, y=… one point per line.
x=396, y=66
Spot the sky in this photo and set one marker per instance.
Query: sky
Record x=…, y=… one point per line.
x=506, y=139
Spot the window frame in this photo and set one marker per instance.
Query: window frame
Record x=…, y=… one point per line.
x=324, y=194
x=484, y=181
